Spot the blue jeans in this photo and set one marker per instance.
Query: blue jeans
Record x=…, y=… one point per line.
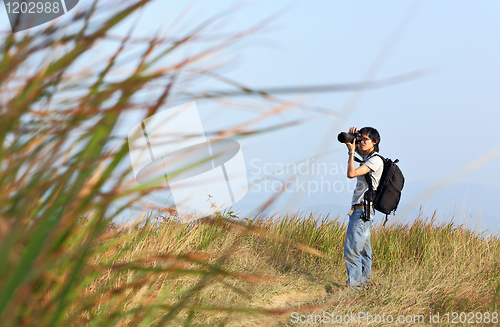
x=357, y=249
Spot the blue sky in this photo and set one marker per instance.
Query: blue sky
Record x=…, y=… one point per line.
x=435, y=125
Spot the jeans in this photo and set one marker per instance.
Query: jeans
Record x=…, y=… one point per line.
x=357, y=249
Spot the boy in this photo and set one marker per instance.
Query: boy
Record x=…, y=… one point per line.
x=357, y=247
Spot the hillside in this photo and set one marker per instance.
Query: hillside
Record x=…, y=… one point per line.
x=217, y=272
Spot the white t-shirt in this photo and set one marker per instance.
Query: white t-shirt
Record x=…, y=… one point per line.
x=376, y=166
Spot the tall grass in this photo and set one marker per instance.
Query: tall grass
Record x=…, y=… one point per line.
x=291, y=263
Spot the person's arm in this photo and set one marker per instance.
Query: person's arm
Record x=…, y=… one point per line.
x=352, y=172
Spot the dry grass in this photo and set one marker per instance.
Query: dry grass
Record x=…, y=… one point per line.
x=419, y=269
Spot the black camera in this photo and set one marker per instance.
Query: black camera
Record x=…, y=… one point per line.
x=349, y=138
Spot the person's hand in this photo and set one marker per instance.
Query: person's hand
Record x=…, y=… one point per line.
x=352, y=146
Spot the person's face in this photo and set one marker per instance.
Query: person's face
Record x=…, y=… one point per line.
x=366, y=145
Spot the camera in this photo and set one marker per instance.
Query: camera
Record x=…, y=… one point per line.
x=349, y=138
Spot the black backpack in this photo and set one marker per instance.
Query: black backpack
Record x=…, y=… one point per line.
x=386, y=198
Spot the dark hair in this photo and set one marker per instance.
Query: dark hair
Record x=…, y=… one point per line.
x=372, y=134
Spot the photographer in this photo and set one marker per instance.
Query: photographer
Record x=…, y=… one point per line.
x=357, y=248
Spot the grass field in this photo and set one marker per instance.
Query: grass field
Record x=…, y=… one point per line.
x=259, y=273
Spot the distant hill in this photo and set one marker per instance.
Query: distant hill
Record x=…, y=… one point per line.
x=462, y=200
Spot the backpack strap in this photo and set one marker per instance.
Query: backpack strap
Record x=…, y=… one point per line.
x=367, y=203
x=386, y=217
x=371, y=155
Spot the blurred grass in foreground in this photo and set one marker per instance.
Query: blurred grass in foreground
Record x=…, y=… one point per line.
x=60, y=101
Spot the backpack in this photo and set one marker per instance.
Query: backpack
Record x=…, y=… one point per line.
x=386, y=198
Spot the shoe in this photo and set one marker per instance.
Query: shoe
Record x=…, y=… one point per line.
x=356, y=287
